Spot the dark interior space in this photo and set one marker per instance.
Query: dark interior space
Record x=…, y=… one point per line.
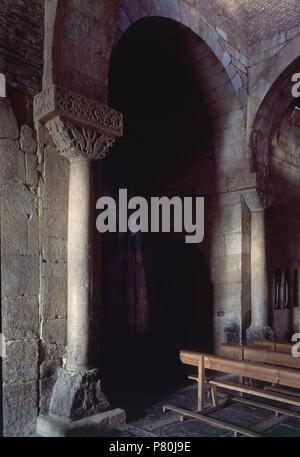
x=156, y=293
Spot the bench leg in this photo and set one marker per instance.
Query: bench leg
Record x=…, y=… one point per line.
x=214, y=397
x=242, y=381
x=201, y=385
x=241, y=378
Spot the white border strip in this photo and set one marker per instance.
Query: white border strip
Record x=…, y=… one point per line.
x=2, y=346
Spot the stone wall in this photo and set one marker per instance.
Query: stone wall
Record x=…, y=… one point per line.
x=53, y=208
x=19, y=273
x=262, y=24
x=21, y=43
x=229, y=15
x=225, y=230
x=34, y=196
x=269, y=18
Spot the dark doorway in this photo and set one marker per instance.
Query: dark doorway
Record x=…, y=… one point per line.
x=156, y=293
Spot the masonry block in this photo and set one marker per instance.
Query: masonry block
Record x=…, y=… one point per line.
x=54, y=331
x=20, y=276
x=53, y=298
x=19, y=409
x=227, y=269
x=8, y=124
x=21, y=361
x=233, y=244
x=12, y=162
x=20, y=318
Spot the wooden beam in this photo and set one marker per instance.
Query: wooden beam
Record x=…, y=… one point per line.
x=280, y=346
x=288, y=399
x=283, y=391
x=284, y=347
x=259, y=371
x=259, y=404
x=260, y=354
x=211, y=421
x=265, y=344
x=234, y=351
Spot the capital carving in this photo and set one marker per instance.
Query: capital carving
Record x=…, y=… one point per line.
x=263, y=195
x=74, y=141
x=79, y=127
x=255, y=201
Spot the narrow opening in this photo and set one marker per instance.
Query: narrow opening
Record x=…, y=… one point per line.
x=278, y=289
x=296, y=289
x=287, y=284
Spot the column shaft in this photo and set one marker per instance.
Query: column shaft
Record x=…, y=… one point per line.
x=79, y=266
x=259, y=309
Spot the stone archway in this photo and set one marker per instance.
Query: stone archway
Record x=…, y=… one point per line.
x=192, y=18
x=269, y=115
x=274, y=144
x=227, y=147
x=263, y=77
x=167, y=149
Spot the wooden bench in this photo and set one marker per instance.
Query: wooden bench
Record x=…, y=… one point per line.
x=268, y=373
x=273, y=374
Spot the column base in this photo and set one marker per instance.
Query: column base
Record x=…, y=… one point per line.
x=48, y=426
x=254, y=333
x=77, y=394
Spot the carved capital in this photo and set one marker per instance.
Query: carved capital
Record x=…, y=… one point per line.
x=74, y=141
x=79, y=127
x=263, y=195
x=255, y=201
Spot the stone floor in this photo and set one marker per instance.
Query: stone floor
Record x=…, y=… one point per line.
x=156, y=424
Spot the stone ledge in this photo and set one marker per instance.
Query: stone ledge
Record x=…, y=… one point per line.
x=52, y=427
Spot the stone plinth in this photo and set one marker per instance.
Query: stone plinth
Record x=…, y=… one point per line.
x=77, y=394
x=95, y=425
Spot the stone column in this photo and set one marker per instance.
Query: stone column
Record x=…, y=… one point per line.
x=259, y=311
x=82, y=130
x=80, y=265
x=259, y=329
